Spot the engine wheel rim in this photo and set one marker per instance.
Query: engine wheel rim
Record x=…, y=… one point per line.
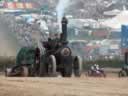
x=78, y=67
x=51, y=65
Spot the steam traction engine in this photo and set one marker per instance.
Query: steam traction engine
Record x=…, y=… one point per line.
x=57, y=57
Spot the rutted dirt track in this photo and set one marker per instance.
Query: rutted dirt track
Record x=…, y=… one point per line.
x=83, y=86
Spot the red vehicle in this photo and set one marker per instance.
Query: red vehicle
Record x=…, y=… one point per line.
x=96, y=72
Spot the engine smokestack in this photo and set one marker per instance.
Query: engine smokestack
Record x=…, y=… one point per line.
x=64, y=23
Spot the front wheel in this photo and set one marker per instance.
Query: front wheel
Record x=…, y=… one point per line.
x=103, y=75
x=51, y=65
x=77, y=66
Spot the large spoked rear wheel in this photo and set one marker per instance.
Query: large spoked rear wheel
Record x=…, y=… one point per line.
x=77, y=66
x=52, y=65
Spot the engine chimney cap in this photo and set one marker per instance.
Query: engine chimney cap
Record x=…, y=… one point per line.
x=64, y=20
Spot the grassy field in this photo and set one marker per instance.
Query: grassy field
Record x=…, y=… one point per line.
x=84, y=86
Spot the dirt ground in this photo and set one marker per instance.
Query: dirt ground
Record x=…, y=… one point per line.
x=58, y=86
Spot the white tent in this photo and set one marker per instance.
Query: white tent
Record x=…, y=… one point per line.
x=112, y=12
x=117, y=21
